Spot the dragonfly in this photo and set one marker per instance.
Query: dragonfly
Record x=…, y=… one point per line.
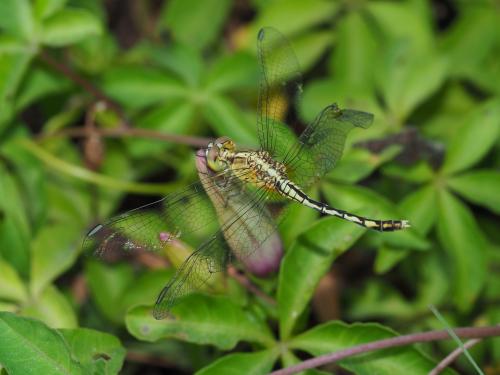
x=241, y=182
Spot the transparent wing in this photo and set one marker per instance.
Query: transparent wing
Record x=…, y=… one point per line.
x=280, y=88
x=245, y=226
x=244, y=233
x=321, y=144
x=149, y=227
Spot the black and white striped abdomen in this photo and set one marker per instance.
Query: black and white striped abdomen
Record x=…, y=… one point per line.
x=292, y=191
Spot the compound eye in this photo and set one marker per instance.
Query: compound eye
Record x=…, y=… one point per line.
x=212, y=153
x=213, y=159
x=225, y=143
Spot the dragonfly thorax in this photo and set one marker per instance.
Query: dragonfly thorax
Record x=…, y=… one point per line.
x=256, y=167
x=259, y=168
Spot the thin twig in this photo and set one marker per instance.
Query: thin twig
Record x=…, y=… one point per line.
x=131, y=132
x=450, y=358
x=456, y=339
x=465, y=332
x=85, y=84
x=241, y=279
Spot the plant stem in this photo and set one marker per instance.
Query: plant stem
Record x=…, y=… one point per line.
x=465, y=332
x=132, y=132
x=96, y=178
x=450, y=358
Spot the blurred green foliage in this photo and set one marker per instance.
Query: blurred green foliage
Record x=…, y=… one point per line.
x=429, y=71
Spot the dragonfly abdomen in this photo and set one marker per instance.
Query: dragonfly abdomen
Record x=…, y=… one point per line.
x=292, y=191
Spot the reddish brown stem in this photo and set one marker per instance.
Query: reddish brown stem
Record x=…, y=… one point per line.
x=466, y=332
x=450, y=358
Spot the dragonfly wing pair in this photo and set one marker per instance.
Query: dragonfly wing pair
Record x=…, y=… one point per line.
x=321, y=144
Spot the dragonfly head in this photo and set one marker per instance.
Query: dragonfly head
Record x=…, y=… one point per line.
x=219, y=154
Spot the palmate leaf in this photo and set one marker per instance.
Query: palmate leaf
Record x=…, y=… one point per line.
x=68, y=26
x=17, y=18
x=479, y=187
x=138, y=86
x=478, y=134
x=466, y=246
x=195, y=22
x=335, y=335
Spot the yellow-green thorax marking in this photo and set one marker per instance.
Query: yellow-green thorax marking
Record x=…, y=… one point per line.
x=261, y=170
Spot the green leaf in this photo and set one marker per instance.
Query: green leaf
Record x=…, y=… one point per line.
x=11, y=45
x=17, y=18
x=37, y=84
x=477, y=29
x=46, y=8
x=420, y=208
x=54, y=250
x=201, y=319
x=183, y=60
x=237, y=71
x=322, y=92
x=406, y=78
x=107, y=286
x=387, y=258
x=296, y=16
x=313, y=251
x=195, y=22
x=355, y=51
x=96, y=352
x=362, y=201
x=407, y=21
x=137, y=87
x=310, y=47
x=53, y=308
x=358, y=163
x=334, y=336
x=28, y=346
x=380, y=299
x=69, y=26
x=94, y=54
x=144, y=289
x=14, y=225
x=419, y=172
x=466, y=246
x=12, y=287
x=227, y=119
x=13, y=67
x=480, y=187
x=256, y=363
x=478, y=134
